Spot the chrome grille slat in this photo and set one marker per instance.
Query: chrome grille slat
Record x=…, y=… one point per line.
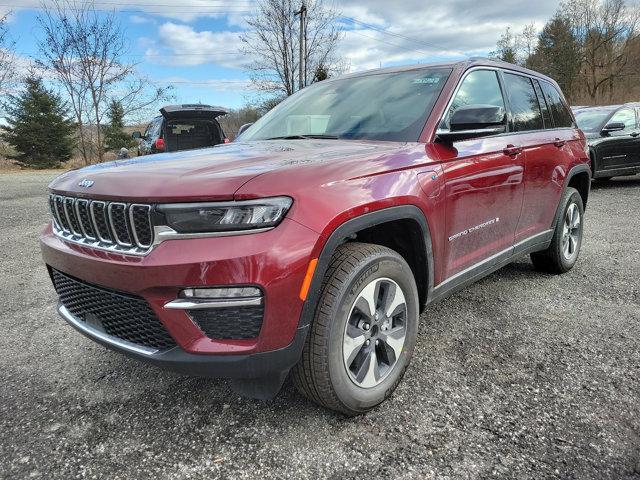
x=140, y=221
x=113, y=226
x=84, y=219
x=54, y=212
x=117, y=213
x=62, y=216
x=100, y=222
x=69, y=210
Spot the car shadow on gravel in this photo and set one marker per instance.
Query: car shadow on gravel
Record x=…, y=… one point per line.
x=616, y=183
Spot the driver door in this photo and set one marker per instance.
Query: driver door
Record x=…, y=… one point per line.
x=621, y=149
x=483, y=184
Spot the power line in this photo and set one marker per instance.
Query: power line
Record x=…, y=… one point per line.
x=393, y=34
x=213, y=10
x=388, y=43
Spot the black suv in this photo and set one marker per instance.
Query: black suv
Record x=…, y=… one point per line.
x=613, y=135
x=182, y=127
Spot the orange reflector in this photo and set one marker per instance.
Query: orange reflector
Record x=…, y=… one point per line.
x=306, y=283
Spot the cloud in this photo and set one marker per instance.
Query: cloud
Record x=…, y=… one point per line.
x=182, y=45
x=413, y=30
x=186, y=10
x=138, y=20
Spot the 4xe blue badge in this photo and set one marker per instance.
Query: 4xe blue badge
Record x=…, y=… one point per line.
x=85, y=183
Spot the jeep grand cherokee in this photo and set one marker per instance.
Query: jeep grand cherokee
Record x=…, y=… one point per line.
x=311, y=245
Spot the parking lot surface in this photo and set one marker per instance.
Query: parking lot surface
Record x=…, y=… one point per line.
x=522, y=375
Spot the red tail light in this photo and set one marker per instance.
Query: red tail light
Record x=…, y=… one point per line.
x=226, y=140
x=159, y=145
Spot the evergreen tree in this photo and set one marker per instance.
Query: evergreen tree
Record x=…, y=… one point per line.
x=39, y=127
x=558, y=53
x=114, y=136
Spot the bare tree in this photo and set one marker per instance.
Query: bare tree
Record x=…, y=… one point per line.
x=273, y=44
x=7, y=58
x=606, y=30
x=87, y=52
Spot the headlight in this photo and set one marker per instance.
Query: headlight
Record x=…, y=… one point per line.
x=225, y=217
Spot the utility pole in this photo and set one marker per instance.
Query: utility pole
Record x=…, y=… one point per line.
x=303, y=48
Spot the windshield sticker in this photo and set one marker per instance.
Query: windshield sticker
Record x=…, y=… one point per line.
x=427, y=81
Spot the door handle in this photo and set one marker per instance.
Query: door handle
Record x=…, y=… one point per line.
x=634, y=134
x=559, y=143
x=512, y=150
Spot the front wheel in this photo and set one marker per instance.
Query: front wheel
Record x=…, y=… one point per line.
x=364, y=330
x=562, y=253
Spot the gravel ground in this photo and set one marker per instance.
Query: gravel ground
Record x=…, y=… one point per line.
x=522, y=375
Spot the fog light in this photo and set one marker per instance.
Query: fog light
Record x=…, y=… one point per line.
x=221, y=293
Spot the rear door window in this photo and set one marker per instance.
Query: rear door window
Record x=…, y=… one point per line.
x=626, y=116
x=479, y=87
x=559, y=111
x=525, y=110
x=546, y=114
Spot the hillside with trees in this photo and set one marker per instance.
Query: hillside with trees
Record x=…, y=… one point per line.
x=591, y=48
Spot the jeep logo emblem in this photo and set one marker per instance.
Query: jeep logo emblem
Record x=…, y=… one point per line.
x=85, y=183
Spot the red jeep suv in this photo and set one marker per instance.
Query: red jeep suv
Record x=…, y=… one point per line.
x=312, y=243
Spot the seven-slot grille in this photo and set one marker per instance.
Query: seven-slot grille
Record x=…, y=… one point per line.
x=114, y=226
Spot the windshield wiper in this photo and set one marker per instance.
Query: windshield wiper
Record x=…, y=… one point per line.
x=304, y=137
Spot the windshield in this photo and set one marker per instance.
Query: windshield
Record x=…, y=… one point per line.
x=387, y=106
x=592, y=119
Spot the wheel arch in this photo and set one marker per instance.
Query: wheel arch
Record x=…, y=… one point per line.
x=364, y=225
x=579, y=177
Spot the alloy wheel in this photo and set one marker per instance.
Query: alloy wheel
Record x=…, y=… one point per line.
x=375, y=332
x=571, y=232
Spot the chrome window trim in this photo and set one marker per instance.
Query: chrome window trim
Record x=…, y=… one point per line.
x=133, y=224
x=113, y=227
x=459, y=85
x=76, y=204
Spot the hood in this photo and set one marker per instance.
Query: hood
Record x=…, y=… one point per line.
x=208, y=174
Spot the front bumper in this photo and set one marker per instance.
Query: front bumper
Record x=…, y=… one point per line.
x=276, y=261
x=273, y=364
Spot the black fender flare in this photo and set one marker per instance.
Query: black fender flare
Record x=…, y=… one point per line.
x=575, y=170
x=346, y=230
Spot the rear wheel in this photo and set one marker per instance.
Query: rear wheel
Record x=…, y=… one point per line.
x=562, y=253
x=364, y=330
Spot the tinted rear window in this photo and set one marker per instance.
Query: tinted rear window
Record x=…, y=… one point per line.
x=559, y=111
x=524, y=103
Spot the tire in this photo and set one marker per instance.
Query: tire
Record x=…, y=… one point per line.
x=562, y=254
x=324, y=374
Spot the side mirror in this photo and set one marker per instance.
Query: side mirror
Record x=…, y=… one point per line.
x=472, y=121
x=136, y=135
x=613, y=127
x=243, y=128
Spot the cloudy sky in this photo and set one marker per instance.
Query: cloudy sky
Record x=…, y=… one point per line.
x=193, y=44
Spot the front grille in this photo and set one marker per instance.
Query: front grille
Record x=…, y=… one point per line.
x=112, y=226
x=229, y=323
x=122, y=315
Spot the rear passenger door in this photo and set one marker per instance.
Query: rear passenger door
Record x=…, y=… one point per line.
x=483, y=184
x=543, y=126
